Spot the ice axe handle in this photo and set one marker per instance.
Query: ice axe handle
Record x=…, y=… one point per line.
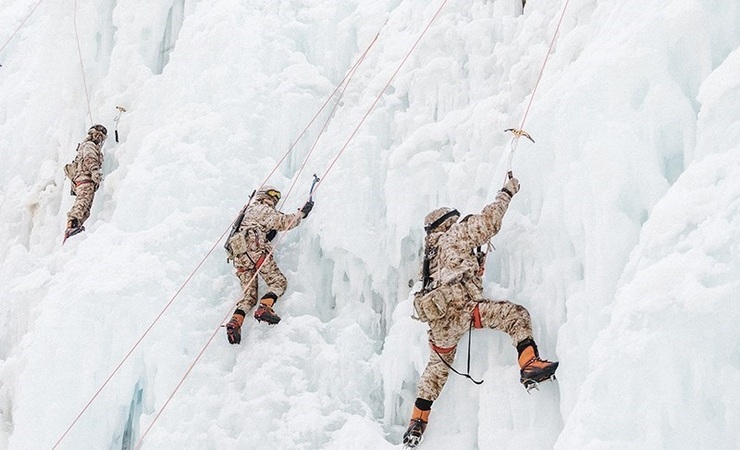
x=313, y=185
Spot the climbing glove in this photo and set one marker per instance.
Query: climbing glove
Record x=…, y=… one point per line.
x=307, y=208
x=511, y=186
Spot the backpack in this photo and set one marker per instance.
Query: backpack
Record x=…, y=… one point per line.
x=430, y=304
x=236, y=243
x=70, y=170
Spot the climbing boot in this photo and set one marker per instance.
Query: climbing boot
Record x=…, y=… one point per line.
x=73, y=227
x=413, y=435
x=234, y=327
x=264, y=312
x=533, y=369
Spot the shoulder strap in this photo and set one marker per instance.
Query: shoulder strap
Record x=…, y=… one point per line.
x=426, y=276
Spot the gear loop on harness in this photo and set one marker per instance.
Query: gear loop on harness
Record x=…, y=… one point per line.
x=443, y=351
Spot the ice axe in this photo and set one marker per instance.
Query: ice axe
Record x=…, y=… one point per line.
x=520, y=133
x=121, y=110
x=514, y=140
x=316, y=179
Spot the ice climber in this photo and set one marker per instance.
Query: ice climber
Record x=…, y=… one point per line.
x=86, y=174
x=251, y=252
x=451, y=302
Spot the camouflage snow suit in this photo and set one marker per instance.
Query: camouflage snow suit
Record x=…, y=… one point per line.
x=259, y=219
x=457, y=276
x=86, y=174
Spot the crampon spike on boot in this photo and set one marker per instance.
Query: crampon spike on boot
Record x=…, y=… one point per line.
x=69, y=232
x=531, y=385
x=414, y=434
x=536, y=371
x=265, y=313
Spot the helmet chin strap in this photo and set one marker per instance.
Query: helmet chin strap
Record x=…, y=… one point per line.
x=441, y=220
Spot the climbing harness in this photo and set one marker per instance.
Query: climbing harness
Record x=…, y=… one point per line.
x=437, y=350
x=121, y=110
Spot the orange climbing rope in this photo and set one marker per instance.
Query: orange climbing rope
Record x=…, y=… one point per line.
x=82, y=66
x=20, y=26
x=343, y=82
x=344, y=147
x=519, y=132
x=348, y=77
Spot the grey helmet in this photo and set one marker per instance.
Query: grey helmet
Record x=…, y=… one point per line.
x=269, y=193
x=441, y=219
x=97, y=133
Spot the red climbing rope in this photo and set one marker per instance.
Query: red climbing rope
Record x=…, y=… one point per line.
x=344, y=147
x=344, y=81
x=544, y=63
x=82, y=67
x=348, y=77
x=520, y=131
x=20, y=26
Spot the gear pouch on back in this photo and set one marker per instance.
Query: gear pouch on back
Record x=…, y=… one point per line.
x=430, y=306
x=238, y=244
x=69, y=170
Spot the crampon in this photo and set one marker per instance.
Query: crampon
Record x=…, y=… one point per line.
x=414, y=434
x=69, y=232
x=536, y=371
x=265, y=313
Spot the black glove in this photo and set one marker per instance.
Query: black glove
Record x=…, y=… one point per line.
x=511, y=186
x=271, y=235
x=307, y=208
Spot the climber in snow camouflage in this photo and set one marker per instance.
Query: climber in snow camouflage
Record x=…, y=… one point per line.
x=86, y=174
x=451, y=300
x=254, y=256
x=260, y=218
x=453, y=270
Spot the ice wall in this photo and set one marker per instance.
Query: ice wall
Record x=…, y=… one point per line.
x=621, y=243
